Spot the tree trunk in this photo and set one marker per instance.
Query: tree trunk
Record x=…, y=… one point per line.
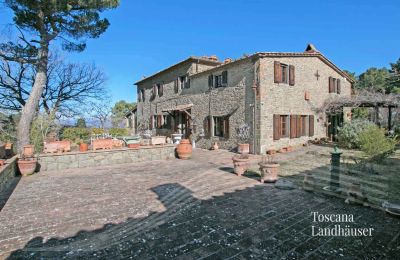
x=32, y=104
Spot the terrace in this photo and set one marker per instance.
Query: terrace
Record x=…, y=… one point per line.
x=193, y=208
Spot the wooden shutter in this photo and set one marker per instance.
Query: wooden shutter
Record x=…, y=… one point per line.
x=161, y=92
x=159, y=121
x=291, y=75
x=298, y=125
x=277, y=72
x=176, y=85
x=210, y=80
x=151, y=123
x=293, y=126
x=206, y=126
x=338, y=87
x=311, y=125
x=331, y=85
x=277, y=127
x=225, y=77
x=226, y=127
x=143, y=95
x=139, y=95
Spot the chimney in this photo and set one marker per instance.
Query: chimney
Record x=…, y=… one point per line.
x=227, y=60
x=213, y=57
x=311, y=49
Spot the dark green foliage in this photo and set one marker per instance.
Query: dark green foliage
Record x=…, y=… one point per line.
x=394, y=78
x=375, y=144
x=118, y=131
x=69, y=19
x=80, y=123
x=349, y=133
x=120, y=109
x=75, y=134
x=360, y=113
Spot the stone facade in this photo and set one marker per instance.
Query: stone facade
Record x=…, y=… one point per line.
x=249, y=96
x=7, y=173
x=51, y=162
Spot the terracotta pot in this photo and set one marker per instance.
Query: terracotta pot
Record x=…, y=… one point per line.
x=9, y=150
x=83, y=147
x=2, y=162
x=240, y=165
x=271, y=152
x=184, y=149
x=308, y=182
x=215, y=146
x=290, y=149
x=134, y=146
x=244, y=148
x=28, y=151
x=283, y=150
x=27, y=167
x=269, y=172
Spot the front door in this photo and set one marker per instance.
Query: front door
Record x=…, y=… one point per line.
x=334, y=121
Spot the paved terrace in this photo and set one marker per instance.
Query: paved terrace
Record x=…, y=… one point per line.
x=178, y=209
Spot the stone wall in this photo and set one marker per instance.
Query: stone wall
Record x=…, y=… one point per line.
x=8, y=172
x=280, y=98
x=49, y=162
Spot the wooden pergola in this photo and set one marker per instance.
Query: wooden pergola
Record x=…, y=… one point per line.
x=365, y=98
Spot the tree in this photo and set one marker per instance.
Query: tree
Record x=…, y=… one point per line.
x=68, y=86
x=100, y=111
x=81, y=123
x=46, y=21
x=373, y=78
x=394, y=77
x=120, y=109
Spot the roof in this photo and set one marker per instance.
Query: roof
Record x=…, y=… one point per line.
x=200, y=60
x=312, y=53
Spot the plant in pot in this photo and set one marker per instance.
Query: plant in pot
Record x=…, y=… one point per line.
x=269, y=169
x=244, y=135
x=83, y=146
x=240, y=163
x=27, y=162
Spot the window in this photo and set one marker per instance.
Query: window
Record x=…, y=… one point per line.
x=221, y=126
x=160, y=89
x=218, y=81
x=182, y=81
x=143, y=95
x=292, y=126
x=284, y=126
x=284, y=73
x=139, y=95
x=334, y=85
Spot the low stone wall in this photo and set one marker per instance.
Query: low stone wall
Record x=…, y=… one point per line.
x=8, y=172
x=49, y=162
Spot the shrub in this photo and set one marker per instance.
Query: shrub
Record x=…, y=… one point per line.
x=75, y=134
x=375, y=144
x=97, y=131
x=348, y=135
x=118, y=131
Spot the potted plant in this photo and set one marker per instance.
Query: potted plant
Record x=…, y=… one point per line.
x=28, y=151
x=269, y=169
x=240, y=163
x=27, y=162
x=83, y=147
x=244, y=135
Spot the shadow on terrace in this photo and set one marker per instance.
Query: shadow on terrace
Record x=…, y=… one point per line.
x=260, y=221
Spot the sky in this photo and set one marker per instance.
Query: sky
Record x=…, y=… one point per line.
x=147, y=36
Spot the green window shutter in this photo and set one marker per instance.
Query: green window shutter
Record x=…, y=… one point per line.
x=211, y=80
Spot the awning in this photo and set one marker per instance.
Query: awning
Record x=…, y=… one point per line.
x=178, y=108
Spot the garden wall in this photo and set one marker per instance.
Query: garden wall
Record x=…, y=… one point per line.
x=8, y=172
x=73, y=160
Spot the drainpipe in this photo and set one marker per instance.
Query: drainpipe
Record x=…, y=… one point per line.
x=254, y=117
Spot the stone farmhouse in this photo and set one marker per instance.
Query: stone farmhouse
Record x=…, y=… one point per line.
x=276, y=93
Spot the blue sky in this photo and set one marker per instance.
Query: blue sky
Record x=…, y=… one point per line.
x=146, y=36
